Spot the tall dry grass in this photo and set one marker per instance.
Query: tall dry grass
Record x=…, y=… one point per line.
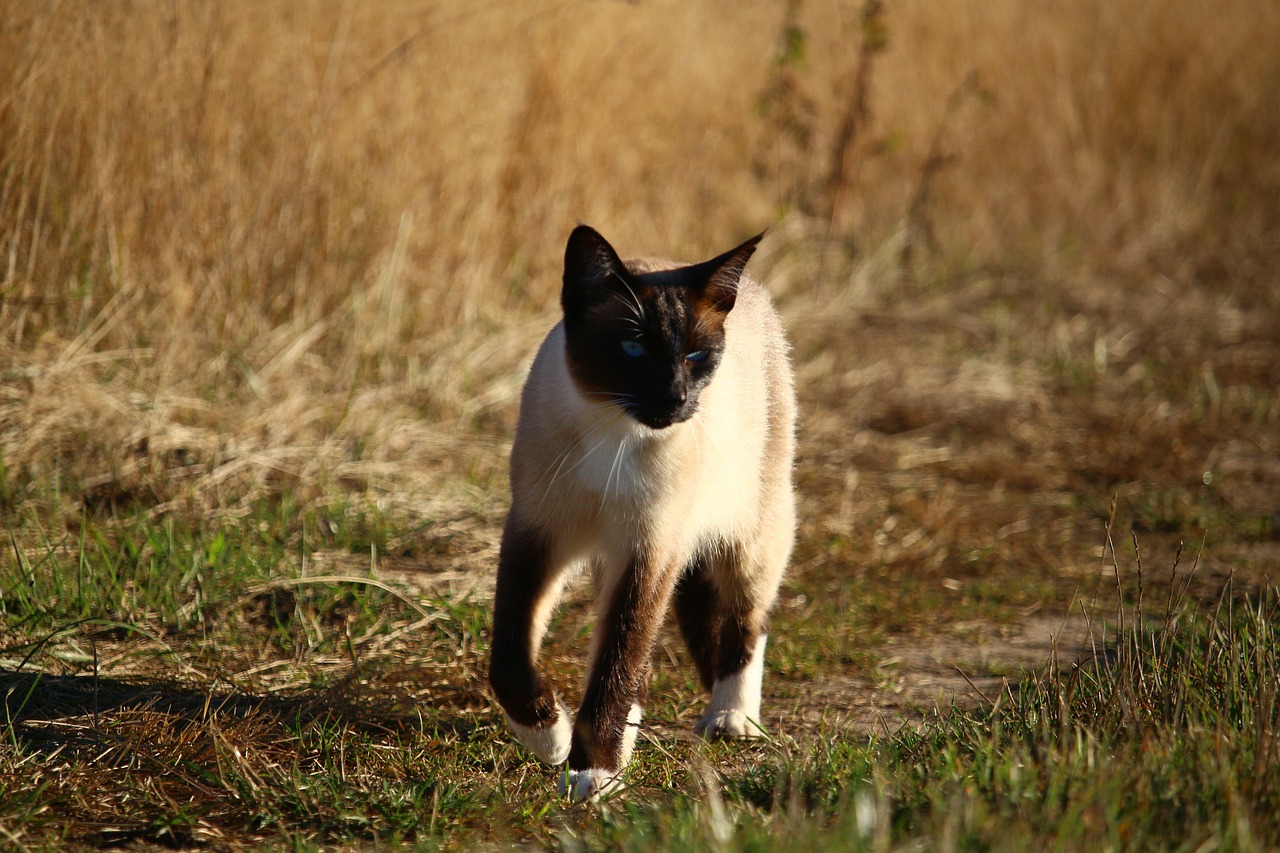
x=313, y=241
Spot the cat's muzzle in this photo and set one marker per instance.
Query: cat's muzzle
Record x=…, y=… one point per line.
x=661, y=418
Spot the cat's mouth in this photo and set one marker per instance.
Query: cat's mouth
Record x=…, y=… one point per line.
x=665, y=417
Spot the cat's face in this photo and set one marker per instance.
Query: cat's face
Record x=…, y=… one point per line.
x=647, y=343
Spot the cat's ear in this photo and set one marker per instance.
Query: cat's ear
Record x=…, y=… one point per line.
x=589, y=262
x=723, y=273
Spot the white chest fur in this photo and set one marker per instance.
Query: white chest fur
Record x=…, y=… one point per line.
x=615, y=462
x=591, y=465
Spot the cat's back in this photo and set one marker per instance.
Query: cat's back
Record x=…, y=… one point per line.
x=754, y=391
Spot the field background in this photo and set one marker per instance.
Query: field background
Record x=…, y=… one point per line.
x=270, y=276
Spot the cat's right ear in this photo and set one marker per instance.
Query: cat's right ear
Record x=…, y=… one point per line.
x=589, y=263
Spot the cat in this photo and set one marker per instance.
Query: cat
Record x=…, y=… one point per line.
x=655, y=444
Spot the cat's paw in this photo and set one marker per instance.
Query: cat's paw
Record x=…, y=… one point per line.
x=590, y=784
x=550, y=743
x=729, y=723
x=734, y=710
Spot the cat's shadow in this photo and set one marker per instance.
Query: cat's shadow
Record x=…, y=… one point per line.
x=45, y=712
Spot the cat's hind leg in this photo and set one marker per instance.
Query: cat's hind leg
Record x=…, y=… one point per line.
x=701, y=618
x=723, y=604
x=734, y=709
x=528, y=587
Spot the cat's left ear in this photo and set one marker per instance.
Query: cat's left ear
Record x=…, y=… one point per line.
x=723, y=274
x=589, y=263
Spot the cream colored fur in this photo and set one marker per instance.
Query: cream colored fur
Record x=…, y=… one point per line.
x=720, y=482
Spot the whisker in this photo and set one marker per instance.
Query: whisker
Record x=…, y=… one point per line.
x=701, y=324
x=636, y=303
x=561, y=459
x=609, y=395
x=624, y=402
x=605, y=432
x=635, y=307
x=616, y=465
x=564, y=457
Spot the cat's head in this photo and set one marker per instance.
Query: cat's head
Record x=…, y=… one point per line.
x=646, y=342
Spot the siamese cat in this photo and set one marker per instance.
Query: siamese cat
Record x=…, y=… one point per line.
x=655, y=446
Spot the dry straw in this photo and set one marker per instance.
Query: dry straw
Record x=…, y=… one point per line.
x=312, y=243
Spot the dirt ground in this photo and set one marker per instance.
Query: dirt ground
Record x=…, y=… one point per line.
x=964, y=445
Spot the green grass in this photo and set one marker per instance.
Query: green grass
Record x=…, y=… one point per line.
x=176, y=685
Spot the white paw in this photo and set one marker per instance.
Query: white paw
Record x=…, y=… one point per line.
x=590, y=784
x=734, y=710
x=549, y=743
x=730, y=723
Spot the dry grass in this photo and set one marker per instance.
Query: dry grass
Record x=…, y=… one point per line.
x=296, y=255
x=247, y=244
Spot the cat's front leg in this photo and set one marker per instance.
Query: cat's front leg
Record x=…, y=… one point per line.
x=629, y=614
x=529, y=583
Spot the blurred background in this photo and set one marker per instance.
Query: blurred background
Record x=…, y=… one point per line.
x=249, y=248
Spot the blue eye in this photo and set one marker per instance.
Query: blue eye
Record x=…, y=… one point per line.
x=697, y=355
x=635, y=349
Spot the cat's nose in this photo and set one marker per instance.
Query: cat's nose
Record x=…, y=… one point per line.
x=677, y=395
